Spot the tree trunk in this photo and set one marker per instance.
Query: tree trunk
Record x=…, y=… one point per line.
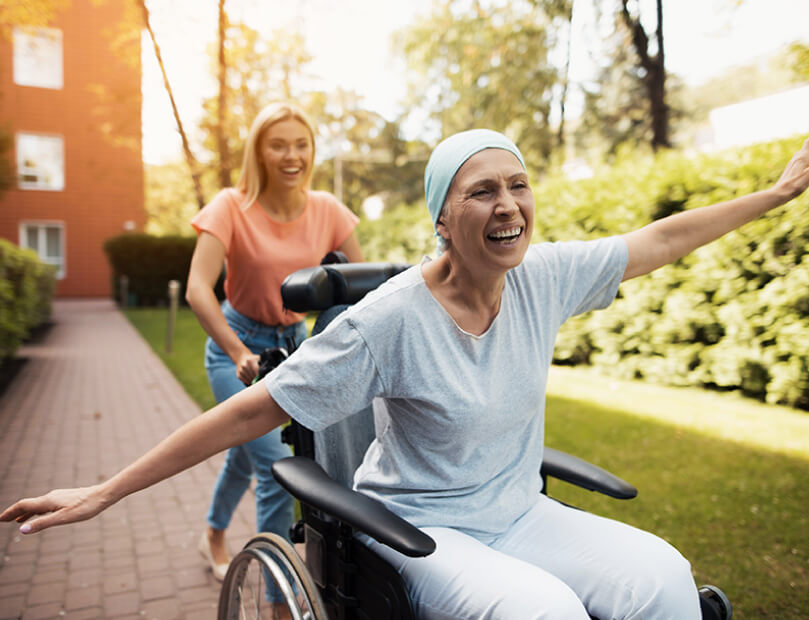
x=225, y=177
x=560, y=136
x=189, y=156
x=655, y=73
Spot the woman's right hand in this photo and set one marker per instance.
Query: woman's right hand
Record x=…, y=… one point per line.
x=247, y=367
x=58, y=507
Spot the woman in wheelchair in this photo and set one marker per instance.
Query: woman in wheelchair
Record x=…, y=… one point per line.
x=457, y=350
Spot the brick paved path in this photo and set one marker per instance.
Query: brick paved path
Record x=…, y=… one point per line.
x=91, y=398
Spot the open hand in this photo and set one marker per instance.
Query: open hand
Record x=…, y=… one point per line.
x=795, y=178
x=58, y=507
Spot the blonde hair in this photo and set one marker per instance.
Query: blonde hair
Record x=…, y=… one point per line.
x=253, y=177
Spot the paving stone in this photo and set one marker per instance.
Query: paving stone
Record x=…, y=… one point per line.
x=163, y=609
x=43, y=612
x=46, y=593
x=79, y=598
x=77, y=412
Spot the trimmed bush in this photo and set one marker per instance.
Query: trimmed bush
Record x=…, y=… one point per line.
x=150, y=262
x=26, y=291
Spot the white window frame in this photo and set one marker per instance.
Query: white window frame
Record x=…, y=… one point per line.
x=42, y=225
x=42, y=176
x=38, y=57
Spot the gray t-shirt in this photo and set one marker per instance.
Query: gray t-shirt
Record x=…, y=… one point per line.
x=461, y=435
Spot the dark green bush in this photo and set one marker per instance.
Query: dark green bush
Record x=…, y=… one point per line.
x=26, y=290
x=150, y=262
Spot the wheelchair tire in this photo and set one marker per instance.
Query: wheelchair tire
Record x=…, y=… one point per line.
x=269, y=559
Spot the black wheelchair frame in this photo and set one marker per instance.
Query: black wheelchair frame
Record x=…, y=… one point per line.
x=345, y=580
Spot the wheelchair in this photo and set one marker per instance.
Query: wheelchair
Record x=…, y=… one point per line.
x=341, y=578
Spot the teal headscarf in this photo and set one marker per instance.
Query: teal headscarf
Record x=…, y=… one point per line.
x=450, y=155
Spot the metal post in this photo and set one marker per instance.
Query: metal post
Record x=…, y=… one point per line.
x=123, y=291
x=174, y=294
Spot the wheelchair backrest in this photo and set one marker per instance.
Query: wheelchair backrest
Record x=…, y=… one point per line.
x=340, y=448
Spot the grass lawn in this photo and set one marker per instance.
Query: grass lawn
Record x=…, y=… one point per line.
x=723, y=478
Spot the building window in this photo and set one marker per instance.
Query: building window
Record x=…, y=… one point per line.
x=38, y=57
x=40, y=162
x=47, y=239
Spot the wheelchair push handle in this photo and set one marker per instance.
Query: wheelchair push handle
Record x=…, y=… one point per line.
x=324, y=286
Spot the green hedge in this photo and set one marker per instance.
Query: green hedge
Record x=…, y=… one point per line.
x=26, y=291
x=150, y=262
x=734, y=315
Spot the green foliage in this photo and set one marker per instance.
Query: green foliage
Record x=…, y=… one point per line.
x=486, y=64
x=733, y=315
x=169, y=199
x=373, y=157
x=798, y=60
x=403, y=235
x=259, y=70
x=26, y=290
x=150, y=262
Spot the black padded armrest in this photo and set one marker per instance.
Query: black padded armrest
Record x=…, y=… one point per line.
x=574, y=470
x=307, y=482
x=324, y=286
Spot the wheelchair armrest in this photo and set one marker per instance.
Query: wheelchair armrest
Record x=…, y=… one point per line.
x=324, y=286
x=574, y=470
x=310, y=484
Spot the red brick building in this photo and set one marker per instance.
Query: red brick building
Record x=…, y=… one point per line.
x=70, y=98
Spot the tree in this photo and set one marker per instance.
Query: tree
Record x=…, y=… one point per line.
x=253, y=71
x=652, y=68
x=368, y=156
x=221, y=104
x=32, y=13
x=487, y=64
x=189, y=156
x=627, y=101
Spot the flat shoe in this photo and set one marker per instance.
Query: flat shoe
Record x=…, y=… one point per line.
x=218, y=570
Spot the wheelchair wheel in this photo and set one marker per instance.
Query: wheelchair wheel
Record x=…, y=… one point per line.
x=268, y=580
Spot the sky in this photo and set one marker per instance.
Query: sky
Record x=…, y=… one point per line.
x=350, y=43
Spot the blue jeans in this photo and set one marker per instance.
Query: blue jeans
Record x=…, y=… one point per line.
x=274, y=507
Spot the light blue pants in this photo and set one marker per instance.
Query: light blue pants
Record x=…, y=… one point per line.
x=274, y=507
x=554, y=562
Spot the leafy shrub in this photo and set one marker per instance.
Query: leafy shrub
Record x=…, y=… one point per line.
x=150, y=262
x=26, y=290
x=733, y=315
x=403, y=235
x=730, y=316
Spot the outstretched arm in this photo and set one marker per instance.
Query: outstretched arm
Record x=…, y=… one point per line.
x=247, y=415
x=664, y=241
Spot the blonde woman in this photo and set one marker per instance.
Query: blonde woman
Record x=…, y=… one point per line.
x=268, y=226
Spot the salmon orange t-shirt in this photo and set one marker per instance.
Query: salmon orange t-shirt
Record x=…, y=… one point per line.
x=261, y=252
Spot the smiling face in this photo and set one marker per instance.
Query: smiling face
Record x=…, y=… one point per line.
x=488, y=216
x=285, y=154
